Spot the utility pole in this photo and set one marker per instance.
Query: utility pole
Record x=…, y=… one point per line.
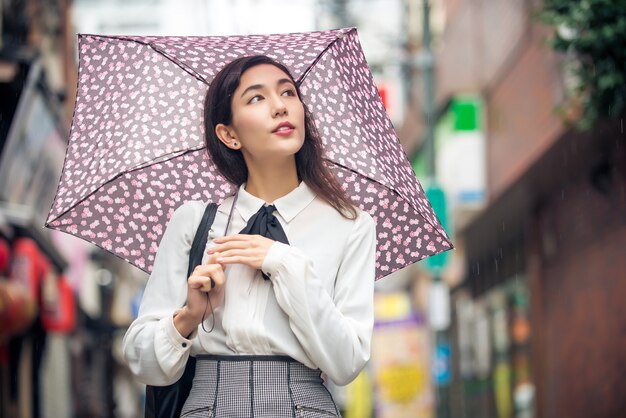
x=420, y=61
x=439, y=297
x=427, y=64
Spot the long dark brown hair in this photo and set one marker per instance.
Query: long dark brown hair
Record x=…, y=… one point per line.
x=310, y=164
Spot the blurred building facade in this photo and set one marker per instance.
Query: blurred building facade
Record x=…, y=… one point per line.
x=61, y=300
x=34, y=342
x=535, y=321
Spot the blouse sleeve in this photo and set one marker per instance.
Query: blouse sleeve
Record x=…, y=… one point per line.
x=335, y=331
x=154, y=350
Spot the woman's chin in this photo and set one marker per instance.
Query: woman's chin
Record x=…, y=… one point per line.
x=286, y=149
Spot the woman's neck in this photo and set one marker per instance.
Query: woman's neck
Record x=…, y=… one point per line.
x=271, y=182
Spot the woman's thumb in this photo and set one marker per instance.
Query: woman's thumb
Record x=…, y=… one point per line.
x=213, y=258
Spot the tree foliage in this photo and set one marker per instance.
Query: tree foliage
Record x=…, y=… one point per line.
x=594, y=33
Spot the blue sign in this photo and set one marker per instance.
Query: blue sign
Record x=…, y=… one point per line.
x=442, y=364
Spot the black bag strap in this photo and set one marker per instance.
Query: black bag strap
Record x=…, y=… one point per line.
x=167, y=401
x=200, y=239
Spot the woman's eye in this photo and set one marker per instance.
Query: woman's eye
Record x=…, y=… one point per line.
x=255, y=99
x=289, y=92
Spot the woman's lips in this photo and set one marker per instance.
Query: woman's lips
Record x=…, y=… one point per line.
x=284, y=129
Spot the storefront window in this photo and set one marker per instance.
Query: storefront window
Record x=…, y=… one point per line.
x=493, y=340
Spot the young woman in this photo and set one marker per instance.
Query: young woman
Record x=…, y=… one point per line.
x=289, y=268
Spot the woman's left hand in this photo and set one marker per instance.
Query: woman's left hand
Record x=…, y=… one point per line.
x=242, y=249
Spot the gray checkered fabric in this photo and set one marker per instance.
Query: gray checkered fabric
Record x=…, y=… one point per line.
x=259, y=387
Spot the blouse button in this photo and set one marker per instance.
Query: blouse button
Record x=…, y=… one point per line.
x=184, y=345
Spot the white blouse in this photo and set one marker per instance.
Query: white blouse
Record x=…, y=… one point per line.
x=317, y=308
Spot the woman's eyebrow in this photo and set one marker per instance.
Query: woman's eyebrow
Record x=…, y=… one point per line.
x=260, y=86
x=283, y=81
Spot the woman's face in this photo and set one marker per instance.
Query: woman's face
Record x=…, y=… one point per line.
x=268, y=116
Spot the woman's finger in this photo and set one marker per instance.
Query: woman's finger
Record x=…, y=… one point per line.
x=204, y=269
x=213, y=258
x=217, y=274
x=207, y=276
x=237, y=237
x=237, y=259
x=202, y=283
x=199, y=283
x=248, y=252
x=253, y=242
x=231, y=245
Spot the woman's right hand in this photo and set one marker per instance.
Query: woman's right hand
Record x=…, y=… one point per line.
x=199, y=287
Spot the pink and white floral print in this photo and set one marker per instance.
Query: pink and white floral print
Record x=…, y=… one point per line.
x=136, y=148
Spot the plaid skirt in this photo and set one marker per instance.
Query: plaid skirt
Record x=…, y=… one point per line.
x=259, y=387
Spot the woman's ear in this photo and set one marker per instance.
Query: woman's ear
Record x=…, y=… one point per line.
x=227, y=136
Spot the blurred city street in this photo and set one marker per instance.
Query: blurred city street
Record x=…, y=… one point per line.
x=511, y=113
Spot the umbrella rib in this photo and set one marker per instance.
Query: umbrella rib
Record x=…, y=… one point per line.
x=391, y=189
x=173, y=154
x=180, y=64
x=319, y=56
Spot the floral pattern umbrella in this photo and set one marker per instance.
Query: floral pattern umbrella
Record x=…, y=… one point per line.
x=136, y=150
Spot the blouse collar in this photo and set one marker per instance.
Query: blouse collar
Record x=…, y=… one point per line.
x=288, y=206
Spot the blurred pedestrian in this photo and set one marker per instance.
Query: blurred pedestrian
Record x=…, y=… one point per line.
x=290, y=294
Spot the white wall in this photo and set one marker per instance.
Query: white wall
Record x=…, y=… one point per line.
x=193, y=17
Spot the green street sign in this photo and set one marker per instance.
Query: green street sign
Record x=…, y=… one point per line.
x=437, y=199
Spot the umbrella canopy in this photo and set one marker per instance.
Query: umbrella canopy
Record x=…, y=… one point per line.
x=136, y=148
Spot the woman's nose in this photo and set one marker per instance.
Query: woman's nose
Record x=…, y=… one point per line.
x=279, y=107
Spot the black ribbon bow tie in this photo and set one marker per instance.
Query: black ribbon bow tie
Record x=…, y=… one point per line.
x=265, y=223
